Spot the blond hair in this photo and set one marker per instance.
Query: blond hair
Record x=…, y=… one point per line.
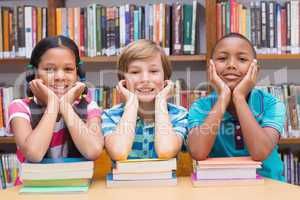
x=140, y=50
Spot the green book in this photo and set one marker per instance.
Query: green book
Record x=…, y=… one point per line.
x=187, y=28
x=28, y=189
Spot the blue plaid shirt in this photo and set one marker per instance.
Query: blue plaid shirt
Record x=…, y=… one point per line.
x=143, y=144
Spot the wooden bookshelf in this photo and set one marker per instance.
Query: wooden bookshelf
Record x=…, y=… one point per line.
x=7, y=140
x=289, y=141
x=278, y=56
x=173, y=58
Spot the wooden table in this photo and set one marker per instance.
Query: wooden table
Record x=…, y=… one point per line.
x=183, y=191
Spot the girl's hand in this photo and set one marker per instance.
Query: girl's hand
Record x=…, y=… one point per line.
x=219, y=85
x=128, y=96
x=72, y=94
x=43, y=94
x=167, y=91
x=248, y=82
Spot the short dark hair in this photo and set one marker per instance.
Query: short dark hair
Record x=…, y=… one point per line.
x=231, y=35
x=52, y=42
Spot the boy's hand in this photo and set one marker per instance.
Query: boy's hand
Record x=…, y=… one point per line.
x=128, y=96
x=73, y=93
x=219, y=85
x=244, y=87
x=167, y=91
x=43, y=94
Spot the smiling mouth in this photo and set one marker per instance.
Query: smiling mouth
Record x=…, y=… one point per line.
x=231, y=77
x=145, y=90
x=59, y=89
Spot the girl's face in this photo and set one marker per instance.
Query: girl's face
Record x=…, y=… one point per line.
x=232, y=58
x=145, y=78
x=57, y=69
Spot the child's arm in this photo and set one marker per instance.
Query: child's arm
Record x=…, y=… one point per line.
x=260, y=141
x=167, y=142
x=119, y=143
x=86, y=136
x=201, y=138
x=35, y=143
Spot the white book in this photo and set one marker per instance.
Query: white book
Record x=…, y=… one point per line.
x=294, y=26
x=122, y=30
x=226, y=173
x=44, y=29
x=140, y=183
x=76, y=174
x=28, y=30
x=44, y=167
x=278, y=39
x=143, y=176
x=145, y=165
x=193, y=45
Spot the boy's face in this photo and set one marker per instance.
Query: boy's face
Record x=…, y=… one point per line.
x=57, y=69
x=145, y=78
x=232, y=58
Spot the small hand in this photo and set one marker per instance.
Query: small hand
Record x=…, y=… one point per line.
x=73, y=93
x=43, y=94
x=127, y=95
x=219, y=85
x=247, y=83
x=167, y=91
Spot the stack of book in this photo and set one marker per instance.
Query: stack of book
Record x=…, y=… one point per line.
x=57, y=175
x=143, y=172
x=229, y=171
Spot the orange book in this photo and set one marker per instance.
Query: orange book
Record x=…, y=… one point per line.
x=5, y=15
x=246, y=160
x=39, y=24
x=58, y=21
x=71, y=22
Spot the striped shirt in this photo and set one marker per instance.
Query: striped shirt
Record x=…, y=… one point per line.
x=58, y=146
x=143, y=144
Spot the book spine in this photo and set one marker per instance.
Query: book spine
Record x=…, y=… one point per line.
x=98, y=30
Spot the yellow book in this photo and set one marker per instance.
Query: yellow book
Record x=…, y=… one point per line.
x=58, y=21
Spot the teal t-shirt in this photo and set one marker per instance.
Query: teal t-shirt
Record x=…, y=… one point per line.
x=268, y=112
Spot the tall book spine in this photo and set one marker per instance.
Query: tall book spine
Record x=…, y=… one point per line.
x=98, y=30
x=288, y=26
x=28, y=30
x=177, y=29
x=187, y=28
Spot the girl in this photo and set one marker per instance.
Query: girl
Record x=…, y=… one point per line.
x=145, y=125
x=236, y=119
x=56, y=120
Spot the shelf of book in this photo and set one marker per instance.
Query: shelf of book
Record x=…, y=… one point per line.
x=173, y=58
x=10, y=140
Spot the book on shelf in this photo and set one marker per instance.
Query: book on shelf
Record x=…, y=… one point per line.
x=272, y=26
x=291, y=166
x=101, y=30
x=9, y=170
